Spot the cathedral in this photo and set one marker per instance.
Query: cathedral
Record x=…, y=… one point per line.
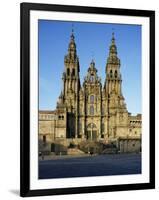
x=90, y=114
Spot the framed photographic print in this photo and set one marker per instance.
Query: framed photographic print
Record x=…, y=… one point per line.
x=87, y=99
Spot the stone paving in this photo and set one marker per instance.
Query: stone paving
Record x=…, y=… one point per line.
x=96, y=165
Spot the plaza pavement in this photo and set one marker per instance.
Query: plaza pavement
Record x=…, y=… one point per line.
x=84, y=166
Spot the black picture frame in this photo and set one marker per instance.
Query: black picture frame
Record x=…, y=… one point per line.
x=25, y=9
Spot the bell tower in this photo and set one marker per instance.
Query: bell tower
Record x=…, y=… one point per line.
x=113, y=76
x=71, y=74
x=115, y=103
x=71, y=87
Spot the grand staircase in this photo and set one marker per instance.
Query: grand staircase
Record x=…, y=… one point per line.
x=97, y=147
x=74, y=151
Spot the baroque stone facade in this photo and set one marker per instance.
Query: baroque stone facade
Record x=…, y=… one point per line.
x=90, y=112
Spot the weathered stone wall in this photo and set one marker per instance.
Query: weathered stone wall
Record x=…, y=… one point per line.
x=129, y=145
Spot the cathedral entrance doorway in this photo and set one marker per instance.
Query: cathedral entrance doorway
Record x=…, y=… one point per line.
x=91, y=131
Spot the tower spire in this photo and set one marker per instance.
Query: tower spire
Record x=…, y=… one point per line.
x=113, y=58
x=113, y=76
x=113, y=48
x=113, y=39
x=72, y=33
x=72, y=28
x=72, y=68
x=72, y=54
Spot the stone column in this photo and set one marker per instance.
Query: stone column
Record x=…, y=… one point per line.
x=91, y=131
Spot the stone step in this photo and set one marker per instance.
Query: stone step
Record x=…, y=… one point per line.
x=109, y=151
x=74, y=151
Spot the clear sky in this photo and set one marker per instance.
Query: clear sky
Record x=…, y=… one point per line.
x=91, y=39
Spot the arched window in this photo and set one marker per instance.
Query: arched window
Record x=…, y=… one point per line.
x=111, y=74
x=116, y=74
x=68, y=71
x=91, y=126
x=92, y=99
x=73, y=72
x=44, y=138
x=91, y=110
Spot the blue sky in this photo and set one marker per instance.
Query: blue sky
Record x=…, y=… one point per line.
x=91, y=39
